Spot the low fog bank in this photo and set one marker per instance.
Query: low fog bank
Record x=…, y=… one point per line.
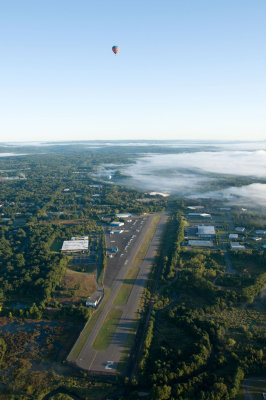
x=231, y=175
x=255, y=193
x=243, y=163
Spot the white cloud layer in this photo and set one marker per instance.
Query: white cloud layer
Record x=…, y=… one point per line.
x=188, y=173
x=256, y=192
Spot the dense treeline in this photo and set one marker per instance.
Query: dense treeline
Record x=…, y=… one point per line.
x=175, y=236
x=201, y=341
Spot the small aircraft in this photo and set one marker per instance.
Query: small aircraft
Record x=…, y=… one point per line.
x=115, y=49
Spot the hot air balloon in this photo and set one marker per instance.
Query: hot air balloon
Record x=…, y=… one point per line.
x=115, y=49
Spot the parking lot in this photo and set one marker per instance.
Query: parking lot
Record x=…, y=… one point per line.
x=123, y=245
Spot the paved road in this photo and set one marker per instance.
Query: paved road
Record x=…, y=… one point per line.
x=252, y=382
x=90, y=359
x=229, y=269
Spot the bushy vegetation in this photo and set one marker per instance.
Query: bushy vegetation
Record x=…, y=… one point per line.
x=201, y=339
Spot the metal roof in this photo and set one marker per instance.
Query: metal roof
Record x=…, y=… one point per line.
x=206, y=230
x=69, y=245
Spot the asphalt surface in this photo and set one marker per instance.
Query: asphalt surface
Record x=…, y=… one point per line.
x=107, y=360
x=252, y=382
x=128, y=243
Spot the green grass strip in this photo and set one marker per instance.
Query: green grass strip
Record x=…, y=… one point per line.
x=125, y=289
x=107, y=330
x=146, y=242
x=88, y=328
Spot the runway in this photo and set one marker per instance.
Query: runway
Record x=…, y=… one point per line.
x=107, y=361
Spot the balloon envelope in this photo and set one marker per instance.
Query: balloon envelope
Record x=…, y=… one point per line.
x=115, y=49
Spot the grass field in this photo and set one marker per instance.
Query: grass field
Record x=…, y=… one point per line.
x=107, y=330
x=84, y=282
x=88, y=327
x=145, y=245
x=125, y=289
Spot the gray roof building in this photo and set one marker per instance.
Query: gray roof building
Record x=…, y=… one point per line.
x=206, y=231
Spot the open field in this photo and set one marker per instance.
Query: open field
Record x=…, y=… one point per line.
x=107, y=330
x=76, y=286
x=125, y=290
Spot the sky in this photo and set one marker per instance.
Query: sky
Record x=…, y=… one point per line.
x=187, y=69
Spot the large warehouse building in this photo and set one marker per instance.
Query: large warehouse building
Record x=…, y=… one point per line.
x=206, y=231
x=75, y=246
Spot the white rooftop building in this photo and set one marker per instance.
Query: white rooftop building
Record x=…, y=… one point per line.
x=72, y=246
x=195, y=207
x=116, y=231
x=123, y=215
x=240, y=229
x=95, y=299
x=206, y=231
x=233, y=236
x=257, y=238
x=237, y=246
x=117, y=223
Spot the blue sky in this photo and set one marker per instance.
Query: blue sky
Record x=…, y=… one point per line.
x=190, y=69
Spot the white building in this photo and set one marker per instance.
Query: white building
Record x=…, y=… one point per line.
x=233, y=236
x=74, y=246
x=200, y=243
x=257, y=238
x=116, y=231
x=206, y=231
x=117, y=223
x=123, y=215
x=237, y=246
x=195, y=207
x=95, y=299
x=240, y=229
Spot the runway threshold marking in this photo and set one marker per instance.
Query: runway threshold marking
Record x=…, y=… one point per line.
x=109, y=365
